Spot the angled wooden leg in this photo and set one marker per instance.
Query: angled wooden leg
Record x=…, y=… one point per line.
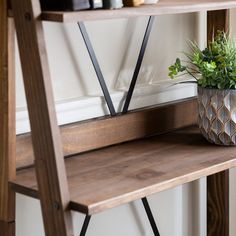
x=218, y=204
x=7, y=123
x=217, y=184
x=7, y=228
x=49, y=160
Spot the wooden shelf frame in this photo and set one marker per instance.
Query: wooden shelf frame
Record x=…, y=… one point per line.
x=55, y=193
x=94, y=134
x=163, y=7
x=218, y=184
x=106, y=178
x=7, y=122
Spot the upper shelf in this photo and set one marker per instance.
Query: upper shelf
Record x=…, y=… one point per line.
x=161, y=8
x=119, y=174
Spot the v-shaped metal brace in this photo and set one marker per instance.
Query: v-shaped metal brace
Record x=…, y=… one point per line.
x=97, y=68
x=126, y=105
x=99, y=73
x=148, y=212
x=138, y=64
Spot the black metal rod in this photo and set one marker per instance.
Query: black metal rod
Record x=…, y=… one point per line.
x=97, y=68
x=138, y=64
x=150, y=216
x=85, y=225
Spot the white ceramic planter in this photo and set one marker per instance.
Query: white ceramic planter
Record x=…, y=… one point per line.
x=217, y=115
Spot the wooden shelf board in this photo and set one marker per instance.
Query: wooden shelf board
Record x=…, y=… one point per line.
x=161, y=8
x=115, y=175
x=106, y=131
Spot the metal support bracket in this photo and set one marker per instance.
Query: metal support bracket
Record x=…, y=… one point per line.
x=85, y=225
x=138, y=64
x=97, y=68
x=126, y=105
x=100, y=74
x=150, y=216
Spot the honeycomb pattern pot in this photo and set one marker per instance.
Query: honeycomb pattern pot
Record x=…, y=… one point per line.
x=217, y=115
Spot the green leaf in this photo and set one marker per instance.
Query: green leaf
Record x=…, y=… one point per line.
x=216, y=64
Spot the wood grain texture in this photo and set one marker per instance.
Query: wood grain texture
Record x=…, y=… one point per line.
x=7, y=115
x=112, y=176
x=7, y=228
x=85, y=136
x=218, y=204
x=217, y=20
x=218, y=184
x=161, y=8
x=49, y=161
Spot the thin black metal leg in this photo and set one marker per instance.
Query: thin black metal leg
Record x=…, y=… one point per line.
x=138, y=64
x=85, y=225
x=97, y=68
x=150, y=216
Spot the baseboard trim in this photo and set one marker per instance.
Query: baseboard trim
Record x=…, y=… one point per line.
x=79, y=109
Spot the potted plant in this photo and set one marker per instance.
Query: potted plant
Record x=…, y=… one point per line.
x=214, y=71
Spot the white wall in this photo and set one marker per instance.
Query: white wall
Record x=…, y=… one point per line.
x=180, y=211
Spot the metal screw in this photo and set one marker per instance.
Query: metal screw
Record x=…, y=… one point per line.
x=27, y=16
x=56, y=205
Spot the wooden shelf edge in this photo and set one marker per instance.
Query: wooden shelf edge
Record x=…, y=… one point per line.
x=206, y=161
x=24, y=190
x=97, y=133
x=163, y=7
x=129, y=197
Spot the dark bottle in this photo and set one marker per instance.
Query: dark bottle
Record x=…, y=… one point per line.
x=112, y=4
x=65, y=5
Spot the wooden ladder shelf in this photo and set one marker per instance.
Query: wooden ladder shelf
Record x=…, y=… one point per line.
x=99, y=164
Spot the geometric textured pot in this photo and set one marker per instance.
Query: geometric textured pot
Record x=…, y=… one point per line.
x=217, y=115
